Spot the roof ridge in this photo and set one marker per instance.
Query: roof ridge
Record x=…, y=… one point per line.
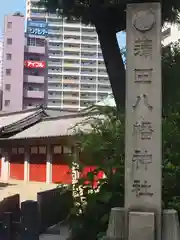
x=22, y=120
x=60, y=109
x=18, y=112
x=78, y=114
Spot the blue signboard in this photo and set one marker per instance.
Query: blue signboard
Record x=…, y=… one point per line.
x=37, y=24
x=37, y=28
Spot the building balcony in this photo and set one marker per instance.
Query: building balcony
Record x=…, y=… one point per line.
x=89, y=50
x=55, y=56
x=69, y=81
x=54, y=104
x=53, y=16
x=71, y=40
x=72, y=33
x=35, y=49
x=54, y=97
x=55, y=24
x=34, y=79
x=72, y=25
x=54, y=64
x=37, y=15
x=87, y=26
x=58, y=32
x=54, y=72
x=70, y=89
x=83, y=89
x=37, y=94
x=73, y=106
x=55, y=80
x=68, y=97
x=71, y=65
x=55, y=39
x=88, y=65
x=105, y=83
x=54, y=48
x=71, y=49
x=89, y=33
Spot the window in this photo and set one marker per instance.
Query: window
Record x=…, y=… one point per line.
x=9, y=41
x=8, y=87
x=57, y=149
x=21, y=150
x=9, y=25
x=42, y=150
x=8, y=56
x=67, y=150
x=8, y=72
x=7, y=103
x=34, y=150
x=14, y=150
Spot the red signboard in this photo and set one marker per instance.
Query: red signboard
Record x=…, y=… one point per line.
x=34, y=64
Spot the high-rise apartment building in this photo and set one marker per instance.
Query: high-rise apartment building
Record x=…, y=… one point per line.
x=24, y=66
x=77, y=75
x=170, y=34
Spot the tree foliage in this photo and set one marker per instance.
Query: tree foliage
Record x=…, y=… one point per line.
x=91, y=11
x=170, y=73
x=104, y=148
x=108, y=17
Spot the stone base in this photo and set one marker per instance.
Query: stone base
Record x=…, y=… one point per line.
x=170, y=225
x=116, y=226
x=141, y=226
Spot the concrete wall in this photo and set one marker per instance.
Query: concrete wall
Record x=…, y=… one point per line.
x=12, y=93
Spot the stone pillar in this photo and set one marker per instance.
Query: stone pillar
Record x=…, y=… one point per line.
x=170, y=226
x=5, y=167
x=49, y=165
x=143, y=144
x=26, y=165
x=116, y=226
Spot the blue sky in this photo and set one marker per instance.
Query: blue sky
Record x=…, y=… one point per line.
x=121, y=39
x=11, y=6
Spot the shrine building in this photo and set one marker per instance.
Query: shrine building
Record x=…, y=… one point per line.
x=37, y=144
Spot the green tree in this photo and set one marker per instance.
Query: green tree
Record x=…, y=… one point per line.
x=171, y=126
x=170, y=74
x=104, y=148
x=108, y=17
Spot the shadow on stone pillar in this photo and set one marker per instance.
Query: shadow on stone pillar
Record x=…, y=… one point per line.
x=170, y=225
x=116, y=226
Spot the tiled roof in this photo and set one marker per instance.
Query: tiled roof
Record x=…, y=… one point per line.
x=53, y=127
x=14, y=122
x=58, y=112
x=11, y=123
x=10, y=119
